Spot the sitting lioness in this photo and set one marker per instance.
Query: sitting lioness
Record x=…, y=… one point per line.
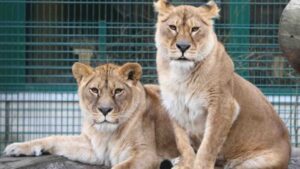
x=124, y=124
x=218, y=114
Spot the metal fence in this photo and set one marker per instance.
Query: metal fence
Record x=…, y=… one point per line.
x=41, y=39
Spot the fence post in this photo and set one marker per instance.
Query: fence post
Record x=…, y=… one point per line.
x=6, y=137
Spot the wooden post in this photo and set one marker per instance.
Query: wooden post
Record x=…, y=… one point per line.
x=289, y=33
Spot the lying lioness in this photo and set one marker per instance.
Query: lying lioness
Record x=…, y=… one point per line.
x=218, y=114
x=124, y=124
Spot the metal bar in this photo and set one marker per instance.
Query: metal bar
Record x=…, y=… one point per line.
x=7, y=124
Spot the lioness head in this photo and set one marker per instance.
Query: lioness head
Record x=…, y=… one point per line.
x=109, y=94
x=185, y=33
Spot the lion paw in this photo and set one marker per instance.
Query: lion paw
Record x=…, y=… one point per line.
x=17, y=149
x=181, y=167
x=175, y=161
x=178, y=163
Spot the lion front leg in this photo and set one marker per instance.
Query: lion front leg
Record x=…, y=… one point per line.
x=219, y=121
x=76, y=148
x=187, y=154
x=145, y=159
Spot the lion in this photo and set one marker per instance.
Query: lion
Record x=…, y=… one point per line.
x=124, y=126
x=218, y=116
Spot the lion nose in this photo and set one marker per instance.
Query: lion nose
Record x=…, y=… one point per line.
x=183, y=46
x=105, y=110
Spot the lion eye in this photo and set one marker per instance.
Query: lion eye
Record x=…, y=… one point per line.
x=196, y=28
x=94, y=90
x=172, y=27
x=118, y=91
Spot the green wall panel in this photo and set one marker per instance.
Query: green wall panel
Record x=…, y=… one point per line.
x=12, y=39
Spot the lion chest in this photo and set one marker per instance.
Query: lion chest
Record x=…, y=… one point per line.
x=189, y=109
x=110, y=151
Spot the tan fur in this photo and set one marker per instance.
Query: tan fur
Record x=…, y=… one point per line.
x=136, y=134
x=225, y=117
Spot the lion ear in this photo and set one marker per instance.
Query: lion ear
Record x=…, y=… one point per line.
x=131, y=72
x=162, y=7
x=81, y=70
x=211, y=9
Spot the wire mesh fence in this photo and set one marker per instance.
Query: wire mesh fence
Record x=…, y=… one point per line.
x=41, y=39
